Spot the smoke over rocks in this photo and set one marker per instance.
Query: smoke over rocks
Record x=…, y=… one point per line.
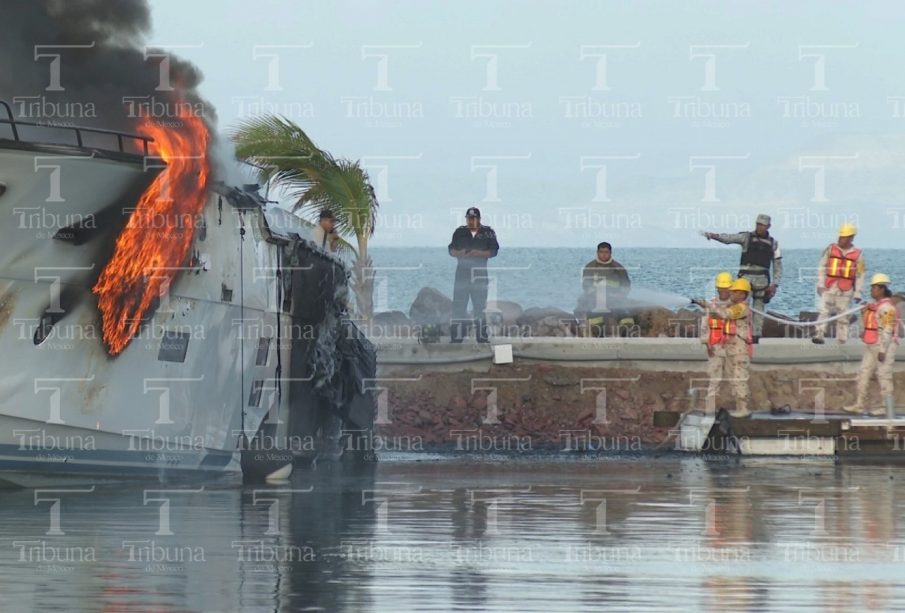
x=85, y=62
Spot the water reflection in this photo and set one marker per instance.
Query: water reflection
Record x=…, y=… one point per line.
x=542, y=534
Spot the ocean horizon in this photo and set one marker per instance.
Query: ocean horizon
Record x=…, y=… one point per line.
x=551, y=276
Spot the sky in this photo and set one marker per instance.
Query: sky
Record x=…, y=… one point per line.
x=569, y=123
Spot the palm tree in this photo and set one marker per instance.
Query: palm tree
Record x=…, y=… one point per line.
x=315, y=180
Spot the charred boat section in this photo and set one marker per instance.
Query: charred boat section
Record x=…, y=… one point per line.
x=248, y=362
x=331, y=367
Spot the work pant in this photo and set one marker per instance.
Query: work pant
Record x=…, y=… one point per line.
x=870, y=363
x=834, y=301
x=739, y=363
x=718, y=369
x=759, y=283
x=466, y=289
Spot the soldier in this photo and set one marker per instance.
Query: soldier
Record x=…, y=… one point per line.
x=713, y=337
x=472, y=245
x=879, y=331
x=840, y=278
x=760, y=251
x=736, y=340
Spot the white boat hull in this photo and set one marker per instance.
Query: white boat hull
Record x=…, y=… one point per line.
x=178, y=400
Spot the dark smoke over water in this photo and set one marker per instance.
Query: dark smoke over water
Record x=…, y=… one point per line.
x=85, y=62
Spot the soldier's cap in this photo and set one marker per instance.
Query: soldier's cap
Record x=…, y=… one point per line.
x=473, y=212
x=763, y=219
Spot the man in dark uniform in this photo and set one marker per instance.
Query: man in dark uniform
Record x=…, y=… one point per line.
x=325, y=231
x=760, y=251
x=472, y=245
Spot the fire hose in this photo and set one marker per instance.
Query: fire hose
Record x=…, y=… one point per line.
x=818, y=322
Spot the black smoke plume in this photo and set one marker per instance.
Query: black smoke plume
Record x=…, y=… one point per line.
x=85, y=62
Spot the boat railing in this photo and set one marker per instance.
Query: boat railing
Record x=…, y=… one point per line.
x=79, y=131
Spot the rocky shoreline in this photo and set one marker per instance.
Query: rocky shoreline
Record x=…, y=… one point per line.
x=429, y=315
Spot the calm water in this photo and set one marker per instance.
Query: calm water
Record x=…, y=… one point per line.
x=455, y=533
x=552, y=276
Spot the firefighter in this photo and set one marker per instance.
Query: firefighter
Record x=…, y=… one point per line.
x=879, y=331
x=840, y=279
x=736, y=340
x=605, y=271
x=713, y=339
x=760, y=252
x=605, y=284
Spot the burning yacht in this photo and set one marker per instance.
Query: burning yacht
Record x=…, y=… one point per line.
x=155, y=323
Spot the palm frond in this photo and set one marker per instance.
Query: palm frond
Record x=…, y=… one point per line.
x=313, y=180
x=310, y=176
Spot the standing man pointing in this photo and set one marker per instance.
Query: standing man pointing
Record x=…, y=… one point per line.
x=472, y=245
x=760, y=253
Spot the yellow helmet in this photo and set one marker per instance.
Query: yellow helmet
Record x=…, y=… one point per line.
x=724, y=280
x=847, y=229
x=880, y=279
x=741, y=285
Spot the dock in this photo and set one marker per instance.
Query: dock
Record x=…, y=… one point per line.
x=796, y=433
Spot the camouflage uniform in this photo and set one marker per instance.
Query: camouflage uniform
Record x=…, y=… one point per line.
x=759, y=254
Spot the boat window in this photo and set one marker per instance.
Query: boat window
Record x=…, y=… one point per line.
x=254, y=398
x=45, y=325
x=173, y=346
x=286, y=279
x=263, y=350
x=201, y=229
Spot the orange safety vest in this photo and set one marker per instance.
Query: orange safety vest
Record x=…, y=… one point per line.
x=730, y=329
x=716, y=326
x=870, y=333
x=841, y=268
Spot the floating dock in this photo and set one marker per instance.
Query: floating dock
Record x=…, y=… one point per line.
x=839, y=435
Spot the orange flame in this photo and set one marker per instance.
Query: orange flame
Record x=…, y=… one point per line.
x=156, y=241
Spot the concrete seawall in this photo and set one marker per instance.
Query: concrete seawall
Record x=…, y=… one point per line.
x=560, y=392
